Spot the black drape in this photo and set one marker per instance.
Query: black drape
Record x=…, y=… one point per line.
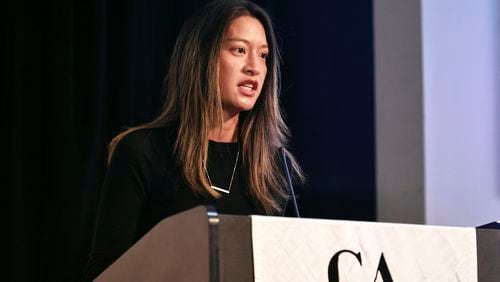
x=77, y=72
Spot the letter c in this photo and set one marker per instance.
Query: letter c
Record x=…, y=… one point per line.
x=333, y=267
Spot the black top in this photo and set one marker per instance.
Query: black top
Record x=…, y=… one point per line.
x=143, y=185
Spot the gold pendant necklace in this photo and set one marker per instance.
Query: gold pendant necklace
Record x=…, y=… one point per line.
x=232, y=176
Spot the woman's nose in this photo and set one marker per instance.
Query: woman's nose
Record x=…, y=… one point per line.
x=252, y=65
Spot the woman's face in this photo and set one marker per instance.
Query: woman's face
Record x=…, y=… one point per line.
x=242, y=64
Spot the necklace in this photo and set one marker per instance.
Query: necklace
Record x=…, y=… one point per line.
x=230, y=182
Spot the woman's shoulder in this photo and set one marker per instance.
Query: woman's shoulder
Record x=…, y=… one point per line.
x=135, y=138
x=146, y=141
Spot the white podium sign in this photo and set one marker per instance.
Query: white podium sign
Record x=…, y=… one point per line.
x=286, y=249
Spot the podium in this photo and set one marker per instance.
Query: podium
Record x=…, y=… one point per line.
x=201, y=245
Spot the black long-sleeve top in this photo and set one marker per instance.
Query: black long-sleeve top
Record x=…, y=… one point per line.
x=143, y=185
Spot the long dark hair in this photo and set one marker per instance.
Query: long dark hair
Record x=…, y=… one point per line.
x=194, y=104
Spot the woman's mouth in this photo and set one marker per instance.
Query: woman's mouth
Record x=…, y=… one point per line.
x=248, y=88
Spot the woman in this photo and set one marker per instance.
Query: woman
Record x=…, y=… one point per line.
x=216, y=141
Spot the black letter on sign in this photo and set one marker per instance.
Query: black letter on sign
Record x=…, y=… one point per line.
x=383, y=269
x=333, y=267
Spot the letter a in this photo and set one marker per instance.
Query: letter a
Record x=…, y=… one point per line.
x=383, y=269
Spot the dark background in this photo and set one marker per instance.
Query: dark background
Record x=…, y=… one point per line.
x=77, y=72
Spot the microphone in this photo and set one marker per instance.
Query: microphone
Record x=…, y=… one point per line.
x=290, y=185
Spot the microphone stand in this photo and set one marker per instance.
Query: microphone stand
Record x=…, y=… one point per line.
x=290, y=185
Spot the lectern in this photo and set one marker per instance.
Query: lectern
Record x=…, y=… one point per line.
x=200, y=245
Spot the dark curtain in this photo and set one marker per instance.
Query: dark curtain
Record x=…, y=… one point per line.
x=77, y=72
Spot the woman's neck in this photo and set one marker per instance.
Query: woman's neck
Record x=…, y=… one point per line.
x=227, y=133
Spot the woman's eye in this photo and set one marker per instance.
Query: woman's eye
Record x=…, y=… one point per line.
x=263, y=55
x=239, y=50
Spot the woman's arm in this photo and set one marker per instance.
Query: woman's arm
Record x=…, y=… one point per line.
x=120, y=203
